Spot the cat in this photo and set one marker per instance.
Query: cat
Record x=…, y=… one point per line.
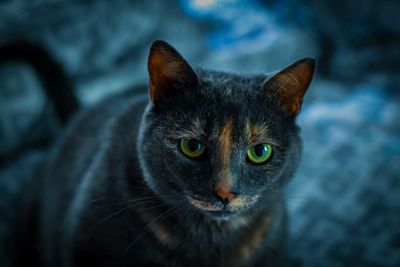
x=187, y=171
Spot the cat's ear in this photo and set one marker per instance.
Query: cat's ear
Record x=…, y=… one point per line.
x=290, y=85
x=168, y=68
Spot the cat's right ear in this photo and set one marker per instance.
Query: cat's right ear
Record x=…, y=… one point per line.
x=167, y=68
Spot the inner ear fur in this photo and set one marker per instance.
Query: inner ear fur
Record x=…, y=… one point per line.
x=167, y=68
x=290, y=85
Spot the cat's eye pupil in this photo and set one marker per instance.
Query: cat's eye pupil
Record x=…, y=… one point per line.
x=260, y=150
x=193, y=145
x=192, y=148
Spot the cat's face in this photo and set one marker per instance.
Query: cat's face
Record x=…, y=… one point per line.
x=219, y=143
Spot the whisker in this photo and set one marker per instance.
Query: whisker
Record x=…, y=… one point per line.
x=124, y=209
x=104, y=199
x=116, y=197
x=113, y=215
x=149, y=225
x=123, y=200
x=129, y=201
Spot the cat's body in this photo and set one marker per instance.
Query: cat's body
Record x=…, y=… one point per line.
x=112, y=193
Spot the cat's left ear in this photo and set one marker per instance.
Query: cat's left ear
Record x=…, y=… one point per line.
x=290, y=85
x=167, y=68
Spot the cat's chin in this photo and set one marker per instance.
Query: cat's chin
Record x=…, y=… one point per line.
x=222, y=215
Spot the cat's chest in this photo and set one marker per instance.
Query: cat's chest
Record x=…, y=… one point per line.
x=234, y=243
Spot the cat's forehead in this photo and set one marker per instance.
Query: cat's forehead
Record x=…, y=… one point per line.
x=230, y=121
x=229, y=105
x=229, y=83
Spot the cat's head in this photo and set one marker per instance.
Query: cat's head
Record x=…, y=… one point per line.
x=220, y=143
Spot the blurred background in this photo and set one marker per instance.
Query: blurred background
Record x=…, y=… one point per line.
x=344, y=203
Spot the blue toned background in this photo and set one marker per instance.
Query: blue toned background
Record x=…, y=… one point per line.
x=344, y=203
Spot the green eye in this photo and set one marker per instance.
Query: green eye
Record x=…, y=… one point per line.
x=192, y=148
x=259, y=153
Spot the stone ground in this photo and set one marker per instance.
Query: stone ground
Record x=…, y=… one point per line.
x=344, y=203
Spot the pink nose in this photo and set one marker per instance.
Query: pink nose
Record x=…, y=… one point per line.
x=224, y=195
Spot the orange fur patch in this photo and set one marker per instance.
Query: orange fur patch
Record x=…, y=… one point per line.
x=159, y=231
x=161, y=234
x=225, y=150
x=254, y=240
x=256, y=133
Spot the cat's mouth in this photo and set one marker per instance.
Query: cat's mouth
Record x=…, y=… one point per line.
x=205, y=205
x=220, y=210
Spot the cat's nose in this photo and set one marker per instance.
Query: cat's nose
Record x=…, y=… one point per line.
x=225, y=196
